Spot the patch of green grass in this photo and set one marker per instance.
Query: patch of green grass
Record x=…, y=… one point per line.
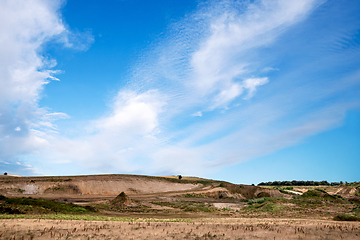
x=63, y=188
x=318, y=196
x=272, y=207
x=357, y=193
x=256, y=200
x=195, y=195
x=38, y=205
x=226, y=209
x=20, y=190
x=356, y=210
x=346, y=217
x=54, y=189
x=267, y=204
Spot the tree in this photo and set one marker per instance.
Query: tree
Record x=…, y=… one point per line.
x=180, y=177
x=5, y=173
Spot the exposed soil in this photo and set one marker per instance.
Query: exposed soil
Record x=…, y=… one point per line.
x=215, y=209
x=198, y=229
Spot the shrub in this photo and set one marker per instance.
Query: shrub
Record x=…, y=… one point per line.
x=258, y=200
x=38, y=204
x=263, y=194
x=2, y=197
x=346, y=217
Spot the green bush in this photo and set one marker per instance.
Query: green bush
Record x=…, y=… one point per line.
x=41, y=205
x=346, y=217
x=258, y=200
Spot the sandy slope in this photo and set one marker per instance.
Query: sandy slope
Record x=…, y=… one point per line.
x=104, y=185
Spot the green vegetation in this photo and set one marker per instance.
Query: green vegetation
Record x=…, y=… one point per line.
x=346, y=217
x=357, y=193
x=299, y=183
x=319, y=194
x=195, y=195
x=21, y=190
x=43, y=179
x=353, y=184
x=39, y=206
x=266, y=204
x=353, y=215
x=256, y=200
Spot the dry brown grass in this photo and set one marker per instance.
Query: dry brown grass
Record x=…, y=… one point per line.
x=199, y=229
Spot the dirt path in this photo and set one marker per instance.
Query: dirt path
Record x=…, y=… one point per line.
x=198, y=229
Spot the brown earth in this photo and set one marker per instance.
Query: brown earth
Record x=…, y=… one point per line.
x=224, y=228
x=104, y=185
x=209, y=207
x=96, y=187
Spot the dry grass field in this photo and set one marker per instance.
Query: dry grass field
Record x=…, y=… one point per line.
x=210, y=228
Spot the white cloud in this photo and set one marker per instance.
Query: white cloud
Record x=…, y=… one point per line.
x=197, y=114
x=252, y=83
x=221, y=61
x=114, y=142
x=227, y=95
x=213, y=59
x=133, y=113
x=269, y=69
x=25, y=26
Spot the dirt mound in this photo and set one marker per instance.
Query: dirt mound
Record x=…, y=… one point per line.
x=323, y=195
x=121, y=200
x=248, y=191
x=346, y=191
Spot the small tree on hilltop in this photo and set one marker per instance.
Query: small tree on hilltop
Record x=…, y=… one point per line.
x=5, y=173
x=180, y=177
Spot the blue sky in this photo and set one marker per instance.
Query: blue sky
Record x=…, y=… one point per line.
x=242, y=91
